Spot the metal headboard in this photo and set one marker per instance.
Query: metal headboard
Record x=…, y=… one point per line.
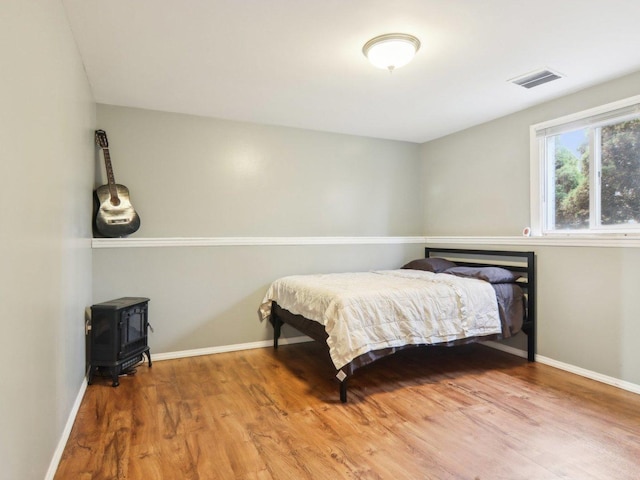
x=521, y=262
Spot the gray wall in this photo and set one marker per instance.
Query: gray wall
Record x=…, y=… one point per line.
x=47, y=117
x=199, y=177
x=209, y=296
x=193, y=176
x=476, y=183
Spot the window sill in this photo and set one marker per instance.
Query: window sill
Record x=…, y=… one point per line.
x=615, y=241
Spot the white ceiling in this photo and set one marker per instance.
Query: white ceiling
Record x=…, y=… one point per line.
x=299, y=63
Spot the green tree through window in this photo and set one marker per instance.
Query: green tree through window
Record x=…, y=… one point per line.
x=572, y=186
x=613, y=151
x=620, y=181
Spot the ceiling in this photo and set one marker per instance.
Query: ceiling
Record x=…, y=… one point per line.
x=299, y=63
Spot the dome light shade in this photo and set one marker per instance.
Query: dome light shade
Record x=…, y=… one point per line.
x=391, y=51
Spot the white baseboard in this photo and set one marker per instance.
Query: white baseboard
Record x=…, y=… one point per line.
x=567, y=367
x=57, y=455
x=228, y=348
x=616, y=382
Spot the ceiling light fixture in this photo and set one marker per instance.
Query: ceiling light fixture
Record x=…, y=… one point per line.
x=391, y=51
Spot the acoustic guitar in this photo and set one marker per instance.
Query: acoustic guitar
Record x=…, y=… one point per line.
x=115, y=216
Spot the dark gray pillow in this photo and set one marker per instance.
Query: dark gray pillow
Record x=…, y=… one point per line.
x=435, y=265
x=488, y=274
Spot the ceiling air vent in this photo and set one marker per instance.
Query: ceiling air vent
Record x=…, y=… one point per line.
x=534, y=79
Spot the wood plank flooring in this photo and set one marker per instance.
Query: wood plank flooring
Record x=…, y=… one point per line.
x=466, y=412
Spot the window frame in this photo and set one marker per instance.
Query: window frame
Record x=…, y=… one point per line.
x=541, y=182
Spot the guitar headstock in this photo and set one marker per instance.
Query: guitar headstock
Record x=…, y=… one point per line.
x=101, y=139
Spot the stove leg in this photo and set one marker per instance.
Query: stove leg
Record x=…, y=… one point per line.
x=148, y=354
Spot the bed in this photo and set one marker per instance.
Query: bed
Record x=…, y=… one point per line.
x=451, y=297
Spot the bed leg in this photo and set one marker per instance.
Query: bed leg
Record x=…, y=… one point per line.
x=343, y=391
x=531, y=344
x=277, y=323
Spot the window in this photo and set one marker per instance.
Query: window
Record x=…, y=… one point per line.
x=586, y=172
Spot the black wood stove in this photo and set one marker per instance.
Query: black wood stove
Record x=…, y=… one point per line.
x=118, y=336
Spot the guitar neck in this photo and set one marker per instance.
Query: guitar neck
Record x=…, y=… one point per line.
x=113, y=191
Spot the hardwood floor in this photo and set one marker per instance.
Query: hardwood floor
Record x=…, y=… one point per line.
x=441, y=413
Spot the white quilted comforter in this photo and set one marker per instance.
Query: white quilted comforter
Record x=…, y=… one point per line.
x=368, y=311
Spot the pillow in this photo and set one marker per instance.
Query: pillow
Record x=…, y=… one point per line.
x=488, y=274
x=435, y=265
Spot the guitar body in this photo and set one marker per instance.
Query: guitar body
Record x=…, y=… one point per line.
x=115, y=216
x=115, y=220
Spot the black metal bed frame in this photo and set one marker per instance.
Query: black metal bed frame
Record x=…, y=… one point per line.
x=529, y=324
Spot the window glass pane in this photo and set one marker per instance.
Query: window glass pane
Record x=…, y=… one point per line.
x=571, y=179
x=620, y=181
